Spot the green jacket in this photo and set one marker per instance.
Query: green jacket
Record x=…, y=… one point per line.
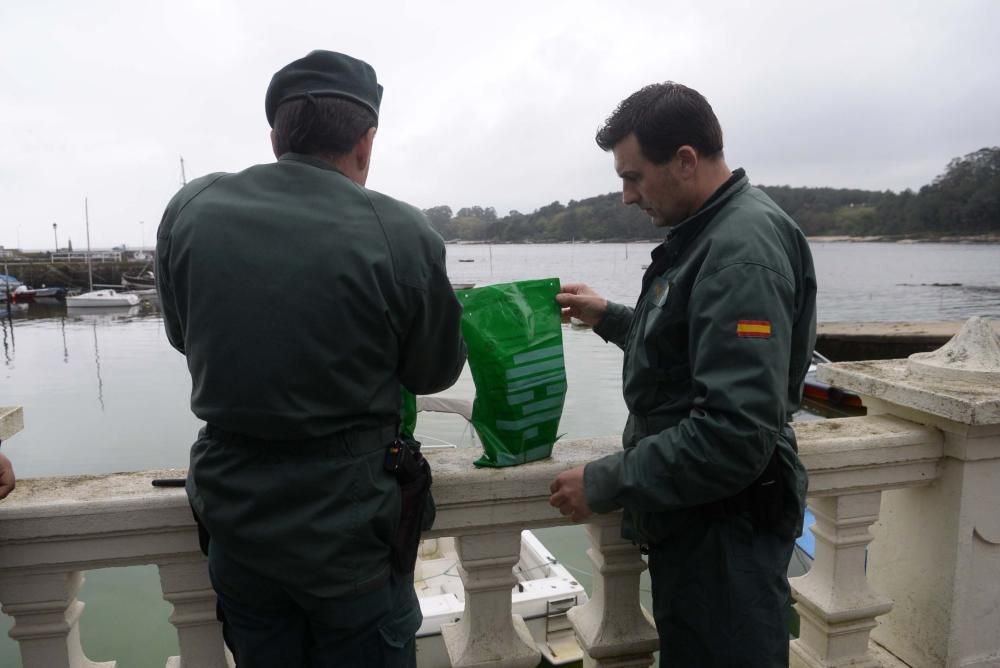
x=716, y=352
x=303, y=302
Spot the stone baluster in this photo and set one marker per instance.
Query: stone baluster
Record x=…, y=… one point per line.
x=836, y=606
x=613, y=628
x=46, y=616
x=186, y=586
x=488, y=634
x=937, y=554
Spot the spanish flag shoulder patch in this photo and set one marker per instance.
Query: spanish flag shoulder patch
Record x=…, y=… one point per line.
x=754, y=328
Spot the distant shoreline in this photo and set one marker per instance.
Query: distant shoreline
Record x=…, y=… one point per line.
x=974, y=239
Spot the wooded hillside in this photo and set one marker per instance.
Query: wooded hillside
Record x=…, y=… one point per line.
x=963, y=201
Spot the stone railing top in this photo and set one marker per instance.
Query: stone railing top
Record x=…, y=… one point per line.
x=11, y=421
x=970, y=403
x=59, y=494
x=973, y=355
x=959, y=382
x=841, y=455
x=468, y=499
x=868, y=453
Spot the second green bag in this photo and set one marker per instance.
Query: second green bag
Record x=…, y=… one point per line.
x=514, y=336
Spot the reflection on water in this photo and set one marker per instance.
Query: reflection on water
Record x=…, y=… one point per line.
x=62, y=330
x=8, y=340
x=95, y=314
x=97, y=363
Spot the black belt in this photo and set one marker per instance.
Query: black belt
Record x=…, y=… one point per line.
x=355, y=441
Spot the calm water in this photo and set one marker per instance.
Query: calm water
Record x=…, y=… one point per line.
x=104, y=392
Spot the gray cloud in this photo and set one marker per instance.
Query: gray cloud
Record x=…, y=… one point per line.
x=483, y=105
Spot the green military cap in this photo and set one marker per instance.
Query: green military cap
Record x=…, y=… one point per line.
x=324, y=74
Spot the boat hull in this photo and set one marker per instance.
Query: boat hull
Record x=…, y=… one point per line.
x=544, y=592
x=102, y=299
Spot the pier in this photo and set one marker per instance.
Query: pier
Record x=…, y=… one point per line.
x=851, y=341
x=71, y=271
x=905, y=573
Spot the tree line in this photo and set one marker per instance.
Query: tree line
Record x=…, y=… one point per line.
x=962, y=201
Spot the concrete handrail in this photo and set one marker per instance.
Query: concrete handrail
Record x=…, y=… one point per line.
x=850, y=454
x=62, y=525
x=11, y=421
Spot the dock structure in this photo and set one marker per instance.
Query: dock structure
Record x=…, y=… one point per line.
x=906, y=570
x=848, y=341
x=69, y=270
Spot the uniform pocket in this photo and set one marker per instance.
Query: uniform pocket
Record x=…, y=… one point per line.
x=399, y=628
x=658, y=373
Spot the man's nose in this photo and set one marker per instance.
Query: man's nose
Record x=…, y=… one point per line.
x=629, y=195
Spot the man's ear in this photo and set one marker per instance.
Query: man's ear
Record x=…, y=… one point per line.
x=687, y=158
x=363, y=150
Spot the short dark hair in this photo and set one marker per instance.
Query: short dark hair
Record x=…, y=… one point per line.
x=664, y=117
x=321, y=125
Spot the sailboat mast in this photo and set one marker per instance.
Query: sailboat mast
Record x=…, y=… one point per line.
x=86, y=218
x=184, y=180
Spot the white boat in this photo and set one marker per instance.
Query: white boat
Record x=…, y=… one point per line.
x=544, y=593
x=102, y=298
x=145, y=294
x=98, y=298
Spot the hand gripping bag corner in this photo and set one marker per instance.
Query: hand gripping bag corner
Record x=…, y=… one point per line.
x=514, y=336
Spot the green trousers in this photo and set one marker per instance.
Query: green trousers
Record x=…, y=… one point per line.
x=721, y=595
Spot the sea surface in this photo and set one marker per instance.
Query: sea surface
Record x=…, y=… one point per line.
x=104, y=391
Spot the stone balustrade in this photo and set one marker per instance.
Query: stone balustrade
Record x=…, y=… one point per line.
x=54, y=529
x=851, y=462
x=907, y=567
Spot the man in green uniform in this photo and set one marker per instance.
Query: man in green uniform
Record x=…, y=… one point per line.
x=716, y=351
x=303, y=302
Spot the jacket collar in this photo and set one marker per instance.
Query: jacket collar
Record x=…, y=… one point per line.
x=689, y=228
x=680, y=235
x=310, y=160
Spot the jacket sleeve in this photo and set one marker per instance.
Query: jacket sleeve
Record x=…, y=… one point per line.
x=165, y=286
x=740, y=322
x=615, y=324
x=433, y=352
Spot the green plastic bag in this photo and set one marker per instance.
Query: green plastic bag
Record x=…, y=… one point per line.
x=407, y=413
x=514, y=336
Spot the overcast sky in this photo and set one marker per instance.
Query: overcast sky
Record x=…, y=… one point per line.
x=490, y=104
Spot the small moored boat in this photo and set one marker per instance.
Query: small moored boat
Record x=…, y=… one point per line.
x=26, y=295
x=142, y=280
x=8, y=285
x=825, y=394
x=545, y=589
x=544, y=593
x=102, y=298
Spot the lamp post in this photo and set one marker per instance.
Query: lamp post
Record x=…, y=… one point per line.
x=55, y=233
x=142, y=232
